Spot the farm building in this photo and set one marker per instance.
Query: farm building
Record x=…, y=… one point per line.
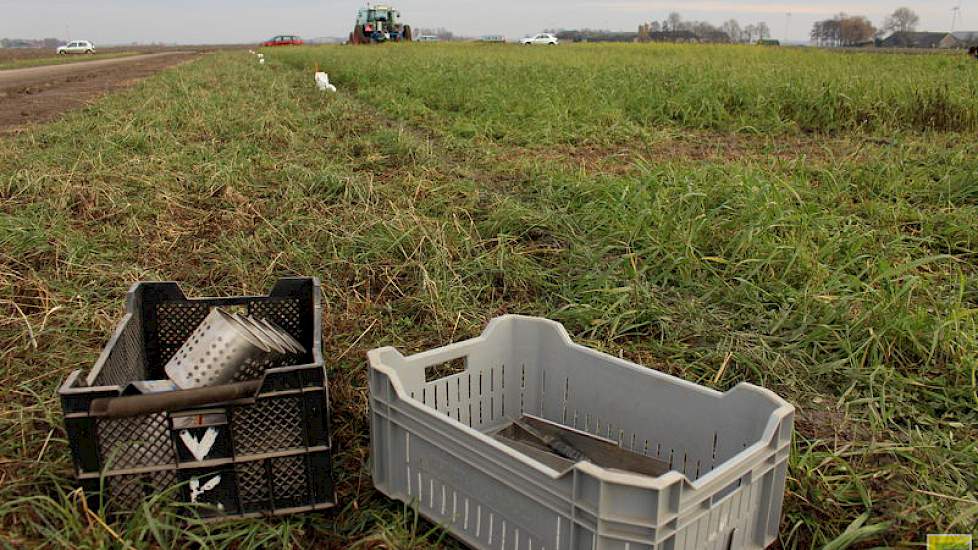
x=963, y=40
x=714, y=37
x=913, y=40
x=947, y=40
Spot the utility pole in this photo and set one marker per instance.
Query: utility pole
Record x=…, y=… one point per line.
x=787, y=25
x=954, y=18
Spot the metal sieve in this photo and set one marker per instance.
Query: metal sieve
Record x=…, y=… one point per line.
x=297, y=346
x=249, y=324
x=219, y=351
x=277, y=356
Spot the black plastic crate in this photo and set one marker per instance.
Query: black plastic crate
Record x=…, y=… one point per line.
x=270, y=454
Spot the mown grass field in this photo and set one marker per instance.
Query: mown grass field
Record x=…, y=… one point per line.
x=803, y=220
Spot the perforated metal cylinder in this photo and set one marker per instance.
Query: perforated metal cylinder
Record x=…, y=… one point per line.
x=282, y=351
x=297, y=346
x=217, y=352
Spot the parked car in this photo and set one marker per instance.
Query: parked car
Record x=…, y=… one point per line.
x=284, y=40
x=544, y=38
x=77, y=46
x=427, y=38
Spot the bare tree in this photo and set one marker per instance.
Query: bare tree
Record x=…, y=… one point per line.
x=843, y=30
x=763, y=31
x=733, y=30
x=857, y=30
x=750, y=31
x=675, y=21
x=827, y=33
x=902, y=20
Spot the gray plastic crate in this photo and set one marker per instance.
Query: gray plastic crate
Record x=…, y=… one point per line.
x=431, y=447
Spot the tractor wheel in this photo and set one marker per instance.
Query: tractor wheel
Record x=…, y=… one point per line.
x=359, y=37
x=406, y=33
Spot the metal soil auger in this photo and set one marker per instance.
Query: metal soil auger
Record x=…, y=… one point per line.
x=378, y=24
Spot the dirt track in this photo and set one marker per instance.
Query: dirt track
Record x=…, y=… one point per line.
x=38, y=94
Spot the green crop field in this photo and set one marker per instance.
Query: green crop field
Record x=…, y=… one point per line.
x=799, y=219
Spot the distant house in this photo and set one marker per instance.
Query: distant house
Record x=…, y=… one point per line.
x=962, y=39
x=714, y=37
x=946, y=40
x=673, y=36
x=914, y=40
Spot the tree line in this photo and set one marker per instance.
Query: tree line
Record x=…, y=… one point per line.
x=853, y=30
x=441, y=32
x=732, y=28
x=30, y=42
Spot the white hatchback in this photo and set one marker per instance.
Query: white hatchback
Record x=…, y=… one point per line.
x=544, y=38
x=77, y=46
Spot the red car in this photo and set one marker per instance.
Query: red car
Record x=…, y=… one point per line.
x=284, y=40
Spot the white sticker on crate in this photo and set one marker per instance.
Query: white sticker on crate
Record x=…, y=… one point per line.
x=199, y=448
x=196, y=489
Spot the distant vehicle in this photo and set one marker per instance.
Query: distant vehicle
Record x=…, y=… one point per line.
x=493, y=38
x=768, y=42
x=427, y=38
x=77, y=46
x=283, y=40
x=544, y=38
x=377, y=24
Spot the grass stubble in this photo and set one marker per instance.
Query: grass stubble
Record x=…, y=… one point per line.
x=769, y=232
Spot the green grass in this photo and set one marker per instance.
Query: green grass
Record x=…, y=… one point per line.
x=718, y=213
x=613, y=92
x=58, y=60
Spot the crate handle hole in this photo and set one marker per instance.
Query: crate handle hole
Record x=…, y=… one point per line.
x=722, y=494
x=446, y=369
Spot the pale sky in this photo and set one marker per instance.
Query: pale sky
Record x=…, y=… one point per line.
x=226, y=21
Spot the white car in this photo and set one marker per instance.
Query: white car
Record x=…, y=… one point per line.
x=544, y=38
x=77, y=46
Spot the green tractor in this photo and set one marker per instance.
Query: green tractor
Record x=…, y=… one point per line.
x=376, y=24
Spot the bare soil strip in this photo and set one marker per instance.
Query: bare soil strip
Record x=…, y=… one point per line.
x=39, y=94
